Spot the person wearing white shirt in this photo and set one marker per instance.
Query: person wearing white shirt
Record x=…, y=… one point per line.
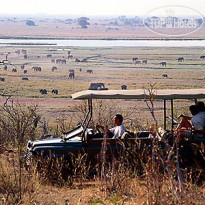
x=117, y=131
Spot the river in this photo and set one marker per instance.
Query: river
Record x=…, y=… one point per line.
x=102, y=43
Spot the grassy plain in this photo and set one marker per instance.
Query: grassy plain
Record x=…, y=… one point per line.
x=112, y=66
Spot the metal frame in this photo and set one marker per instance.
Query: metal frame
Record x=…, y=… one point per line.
x=87, y=118
x=172, y=113
x=139, y=94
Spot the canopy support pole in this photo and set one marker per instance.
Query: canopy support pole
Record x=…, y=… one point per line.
x=172, y=113
x=165, y=116
x=87, y=118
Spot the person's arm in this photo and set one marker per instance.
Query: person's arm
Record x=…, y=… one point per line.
x=104, y=128
x=184, y=116
x=100, y=126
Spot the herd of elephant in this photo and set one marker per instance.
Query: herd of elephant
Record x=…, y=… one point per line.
x=44, y=91
x=163, y=63
x=71, y=74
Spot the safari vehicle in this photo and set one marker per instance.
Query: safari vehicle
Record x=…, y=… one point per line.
x=83, y=139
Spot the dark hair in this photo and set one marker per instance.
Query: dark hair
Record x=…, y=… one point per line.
x=194, y=109
x=120, y=117
x=200, y=106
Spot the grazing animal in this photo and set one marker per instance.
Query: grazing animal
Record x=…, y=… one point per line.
x=84, y=60
x=25, y=71
x=164, y=75
x=5, y=67
x=89, y=71
x=202, y=57
x=144, y=61
x=69, y=52
x=14, y=70
x=181, y=59
x=80, y=69
x=62, y=61
x=49, y=56
x=53, y=68
x=24, y=51
x=124, y=87
x=36, y=68
x=22, y=66
x=134, y=59
x=163, y=64
x=53, y=61
x=2, y=79
x=77, y=60
x=17, y=52
x=25, y=56
x=70, y=56
x=58, y=61
x=97, y=86
x=137, y=62
x=71, y=75
x=43, y=91
x=55, y=91
x=25, y=78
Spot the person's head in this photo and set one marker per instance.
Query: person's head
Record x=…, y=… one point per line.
x=118, y=119
x=194, y=110
x=200, y=105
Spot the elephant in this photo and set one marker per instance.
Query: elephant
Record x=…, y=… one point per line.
x=71, y=75
x=138, y=62
x=181, y=59
x=55, y=91
x=89, y=71
x=164, y=75
x=163, y=64
x=124, y=87
x=43, y=91
x=53, y=68
x=144, y=61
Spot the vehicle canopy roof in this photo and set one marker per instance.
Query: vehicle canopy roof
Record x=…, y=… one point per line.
x=140, y=94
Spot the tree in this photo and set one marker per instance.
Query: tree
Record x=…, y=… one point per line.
x=82, y=21
x=16, y=128
x=30, y=23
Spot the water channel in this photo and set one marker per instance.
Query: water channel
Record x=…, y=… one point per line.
x=102, y=43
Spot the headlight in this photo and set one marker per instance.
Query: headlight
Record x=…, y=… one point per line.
x=30, y=143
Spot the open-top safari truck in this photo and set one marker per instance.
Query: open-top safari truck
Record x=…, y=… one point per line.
x=83, y=139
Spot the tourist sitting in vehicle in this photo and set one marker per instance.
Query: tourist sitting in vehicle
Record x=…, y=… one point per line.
x=115, y=132
x=189, y=125
x=201, y=107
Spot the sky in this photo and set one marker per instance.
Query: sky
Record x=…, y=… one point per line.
x=92, y=7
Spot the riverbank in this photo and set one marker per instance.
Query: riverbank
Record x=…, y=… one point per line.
x=103, y=39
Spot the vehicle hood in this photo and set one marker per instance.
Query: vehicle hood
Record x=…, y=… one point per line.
x=55, y=144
